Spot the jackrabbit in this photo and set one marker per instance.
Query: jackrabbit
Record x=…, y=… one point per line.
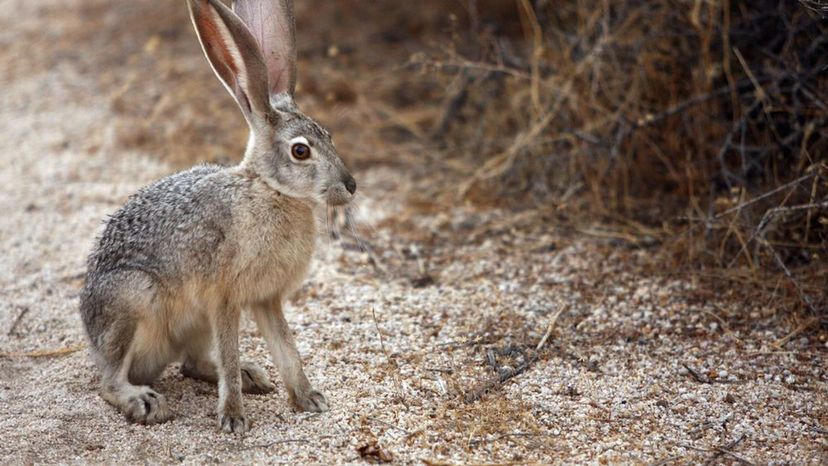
x=176, y=265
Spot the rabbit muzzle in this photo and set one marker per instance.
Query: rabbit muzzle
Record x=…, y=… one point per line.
x=342, y=192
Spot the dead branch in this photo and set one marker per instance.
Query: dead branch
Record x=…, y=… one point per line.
x=701, y=378
x=764, y=196
x=726, y=450
x=778, y=344
x=549, y=328
x=490, y=385
x=16, y=322
x=453, y=107
x=504, y=376
x=698, y=377
x=43, y=353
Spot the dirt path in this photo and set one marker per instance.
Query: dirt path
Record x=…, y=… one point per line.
x=634, y=369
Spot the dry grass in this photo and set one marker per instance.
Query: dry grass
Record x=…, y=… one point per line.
x=697, y=125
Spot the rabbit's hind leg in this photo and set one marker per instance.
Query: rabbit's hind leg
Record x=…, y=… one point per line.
x=199, y=365
x=116, y=337
x=124, y=384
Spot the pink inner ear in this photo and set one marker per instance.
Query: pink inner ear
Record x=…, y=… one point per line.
x=277, y=72
x=216, y=48
x=215, y=42
x=272, y=24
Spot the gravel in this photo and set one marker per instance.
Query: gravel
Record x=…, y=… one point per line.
x=637, y=369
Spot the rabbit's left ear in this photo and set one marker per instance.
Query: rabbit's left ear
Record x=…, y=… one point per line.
x=234, y=55
x=273, y=25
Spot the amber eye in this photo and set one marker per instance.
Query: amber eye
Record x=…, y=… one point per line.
x=300, y=151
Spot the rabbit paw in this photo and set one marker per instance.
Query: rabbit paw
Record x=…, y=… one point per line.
x=255, y=380
x=312, y=401
x=234, y=423
x=147, y=407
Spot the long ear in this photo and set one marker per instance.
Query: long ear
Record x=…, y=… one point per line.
x=233, y=53
x=273, y=24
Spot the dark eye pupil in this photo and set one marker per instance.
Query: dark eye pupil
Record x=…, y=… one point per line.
x=301, y=151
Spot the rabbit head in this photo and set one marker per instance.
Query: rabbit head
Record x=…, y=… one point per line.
x=252, y=50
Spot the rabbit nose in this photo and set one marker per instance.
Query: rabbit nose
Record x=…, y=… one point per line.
x=350, y=184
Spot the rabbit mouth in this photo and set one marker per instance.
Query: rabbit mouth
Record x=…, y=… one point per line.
x=337, y=196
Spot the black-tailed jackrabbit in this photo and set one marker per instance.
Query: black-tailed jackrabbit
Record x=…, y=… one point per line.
x=176, y=265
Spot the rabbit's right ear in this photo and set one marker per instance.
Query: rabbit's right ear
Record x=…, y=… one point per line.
x=273, y=24
x=234, y=55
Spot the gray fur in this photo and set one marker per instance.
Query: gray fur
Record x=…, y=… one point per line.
x=176, y=265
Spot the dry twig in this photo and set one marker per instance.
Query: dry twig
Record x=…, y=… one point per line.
x=16, y=322
x=549, y=328
x=391, y=361
x=44, y=353
x=502, y=377
x=722, y=451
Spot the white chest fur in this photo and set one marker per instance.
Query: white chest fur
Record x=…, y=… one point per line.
x=276, y=238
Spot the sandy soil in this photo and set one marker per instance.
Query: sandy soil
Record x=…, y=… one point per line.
x=634, y=369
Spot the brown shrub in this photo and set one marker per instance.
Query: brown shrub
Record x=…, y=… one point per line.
x=701, y=123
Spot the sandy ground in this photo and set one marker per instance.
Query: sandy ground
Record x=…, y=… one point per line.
x=635, y=369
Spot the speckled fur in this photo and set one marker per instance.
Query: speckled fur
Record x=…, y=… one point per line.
x=204, y=237
x=175, y=266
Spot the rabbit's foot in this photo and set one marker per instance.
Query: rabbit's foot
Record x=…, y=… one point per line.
x=146, y=406
x=234, y=423
x=255, y=380
x=311, y=400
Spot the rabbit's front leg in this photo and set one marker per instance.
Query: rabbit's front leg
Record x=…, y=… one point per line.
x=226, y=333
x=275, y=330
